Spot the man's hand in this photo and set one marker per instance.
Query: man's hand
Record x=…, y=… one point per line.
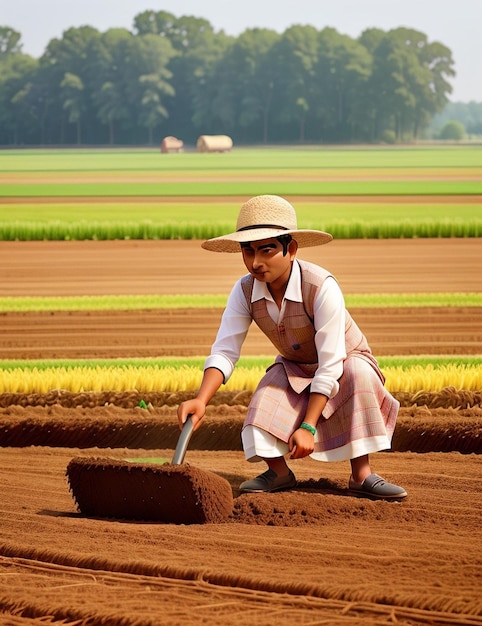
x=301, y=443
x=195, y=408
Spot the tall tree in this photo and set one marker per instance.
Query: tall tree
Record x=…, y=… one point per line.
x=147, y=79
x=153, y=112
x=241, y=86
x=409, y=81
x=19, y=103
x=111, y=89
x=72, y=94
x=437, y=59
x=9, y=41
x=197, y=51
x=257, y=80
x=110, y=107
x=341, y=72
x=294, y=59
x=75, y=54
x=131, y=77
x=371, y=38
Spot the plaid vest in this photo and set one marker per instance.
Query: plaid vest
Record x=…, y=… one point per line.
x=294, y=334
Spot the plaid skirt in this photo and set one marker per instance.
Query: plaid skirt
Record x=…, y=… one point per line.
x=359, y=419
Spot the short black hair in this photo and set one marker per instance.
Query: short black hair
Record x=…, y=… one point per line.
x=284, y=240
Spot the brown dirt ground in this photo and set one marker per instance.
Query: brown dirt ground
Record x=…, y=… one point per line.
x=315, y=555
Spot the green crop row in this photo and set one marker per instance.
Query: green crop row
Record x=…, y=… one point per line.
x=200, y=220
x=144, y=302
x=144, y=230
x=247, y=362
x=240, y=188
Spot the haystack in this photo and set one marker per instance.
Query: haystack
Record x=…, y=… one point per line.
x=171, y=144
x=214, y=143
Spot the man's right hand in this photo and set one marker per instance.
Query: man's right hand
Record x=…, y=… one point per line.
x=195, y=408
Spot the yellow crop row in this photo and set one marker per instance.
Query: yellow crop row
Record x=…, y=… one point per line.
x=169, y=379
x=430, y=378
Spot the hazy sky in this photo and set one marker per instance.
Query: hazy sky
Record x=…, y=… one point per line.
x=455, y=23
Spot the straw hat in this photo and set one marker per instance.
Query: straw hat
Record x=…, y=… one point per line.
x=263, y=217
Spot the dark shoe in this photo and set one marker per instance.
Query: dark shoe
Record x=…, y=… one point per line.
x=374, y=486
x=268, y=482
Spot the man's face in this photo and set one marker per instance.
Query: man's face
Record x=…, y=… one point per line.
x=264, y=259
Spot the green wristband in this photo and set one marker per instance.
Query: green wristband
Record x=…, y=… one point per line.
x=309, y=427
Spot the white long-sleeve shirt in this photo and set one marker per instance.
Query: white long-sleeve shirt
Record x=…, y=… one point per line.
x=329, y=322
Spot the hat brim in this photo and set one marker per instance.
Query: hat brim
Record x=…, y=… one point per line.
x=231, y=242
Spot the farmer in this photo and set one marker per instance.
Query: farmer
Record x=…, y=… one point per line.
x=324, y=395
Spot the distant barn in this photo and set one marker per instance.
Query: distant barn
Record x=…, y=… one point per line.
x=214, y=143
x=171, y=144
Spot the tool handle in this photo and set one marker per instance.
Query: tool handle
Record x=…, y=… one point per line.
x=183, y=441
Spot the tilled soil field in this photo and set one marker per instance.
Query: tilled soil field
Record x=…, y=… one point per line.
x=315, y=555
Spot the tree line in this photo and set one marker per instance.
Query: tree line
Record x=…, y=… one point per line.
x=178, y=76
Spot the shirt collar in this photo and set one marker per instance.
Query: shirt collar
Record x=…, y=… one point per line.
x=293, y=288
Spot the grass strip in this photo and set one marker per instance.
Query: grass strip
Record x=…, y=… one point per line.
x=287, y=157
x=241, y=188
x=404, y=362
x=311, y=213
x=200, y=220
x=21, y=304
